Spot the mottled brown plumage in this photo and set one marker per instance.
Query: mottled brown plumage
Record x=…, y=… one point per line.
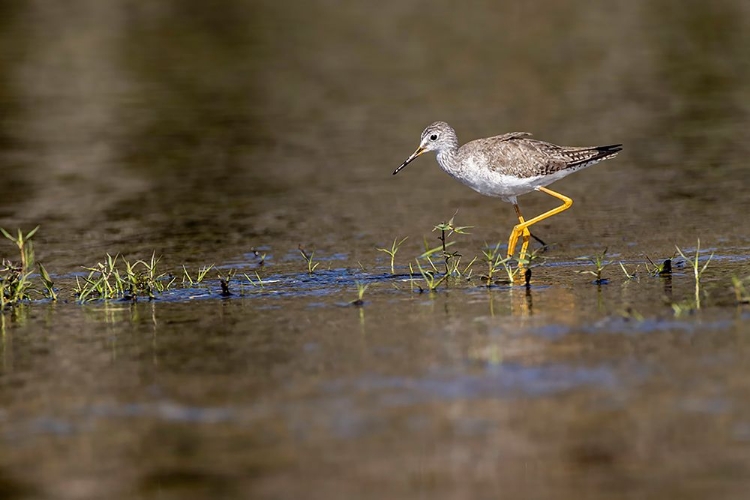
x=516, y=154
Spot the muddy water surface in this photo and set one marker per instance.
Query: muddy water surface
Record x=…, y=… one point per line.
x=203, y=133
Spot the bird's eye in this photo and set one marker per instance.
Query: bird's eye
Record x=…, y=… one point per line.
x=433, y=137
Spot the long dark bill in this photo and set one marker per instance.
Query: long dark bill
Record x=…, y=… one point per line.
x=416, y=153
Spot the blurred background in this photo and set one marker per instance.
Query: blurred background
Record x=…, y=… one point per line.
x=198, y=128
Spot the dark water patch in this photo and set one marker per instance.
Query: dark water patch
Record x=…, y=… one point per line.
x=12, y=488
x=183, y=482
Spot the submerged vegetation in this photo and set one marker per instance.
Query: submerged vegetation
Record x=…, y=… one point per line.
x=311, y=264
x=393, y=251
x=15, y=283
x=127, y=280
x=430, y=277
x=496, y=261
x=447, y=229
x=22, y=279
x=199, y=277
x=600, y=262
x=698, y=271
x=361, y=289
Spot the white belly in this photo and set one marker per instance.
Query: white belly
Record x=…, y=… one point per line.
x=507, y=187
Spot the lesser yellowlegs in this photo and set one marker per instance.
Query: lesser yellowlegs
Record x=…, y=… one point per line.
x=509, y=165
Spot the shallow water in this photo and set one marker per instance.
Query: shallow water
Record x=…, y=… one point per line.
x=203, y=133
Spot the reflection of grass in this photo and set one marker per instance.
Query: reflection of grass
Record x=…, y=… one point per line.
x=682, y=308
x=631, y=314
x=740, y=292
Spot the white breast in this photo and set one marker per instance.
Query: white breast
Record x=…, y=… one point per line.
x=507, y=187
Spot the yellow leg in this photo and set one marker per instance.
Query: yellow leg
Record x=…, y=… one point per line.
x=522, y=229
x=514, y=235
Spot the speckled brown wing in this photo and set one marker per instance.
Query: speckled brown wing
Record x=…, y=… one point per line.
x=509, y=154
x=516, y=154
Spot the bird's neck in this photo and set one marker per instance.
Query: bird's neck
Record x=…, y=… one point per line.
x=448, y=159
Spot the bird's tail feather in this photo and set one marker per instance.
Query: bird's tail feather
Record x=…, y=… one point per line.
x=600, y=153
